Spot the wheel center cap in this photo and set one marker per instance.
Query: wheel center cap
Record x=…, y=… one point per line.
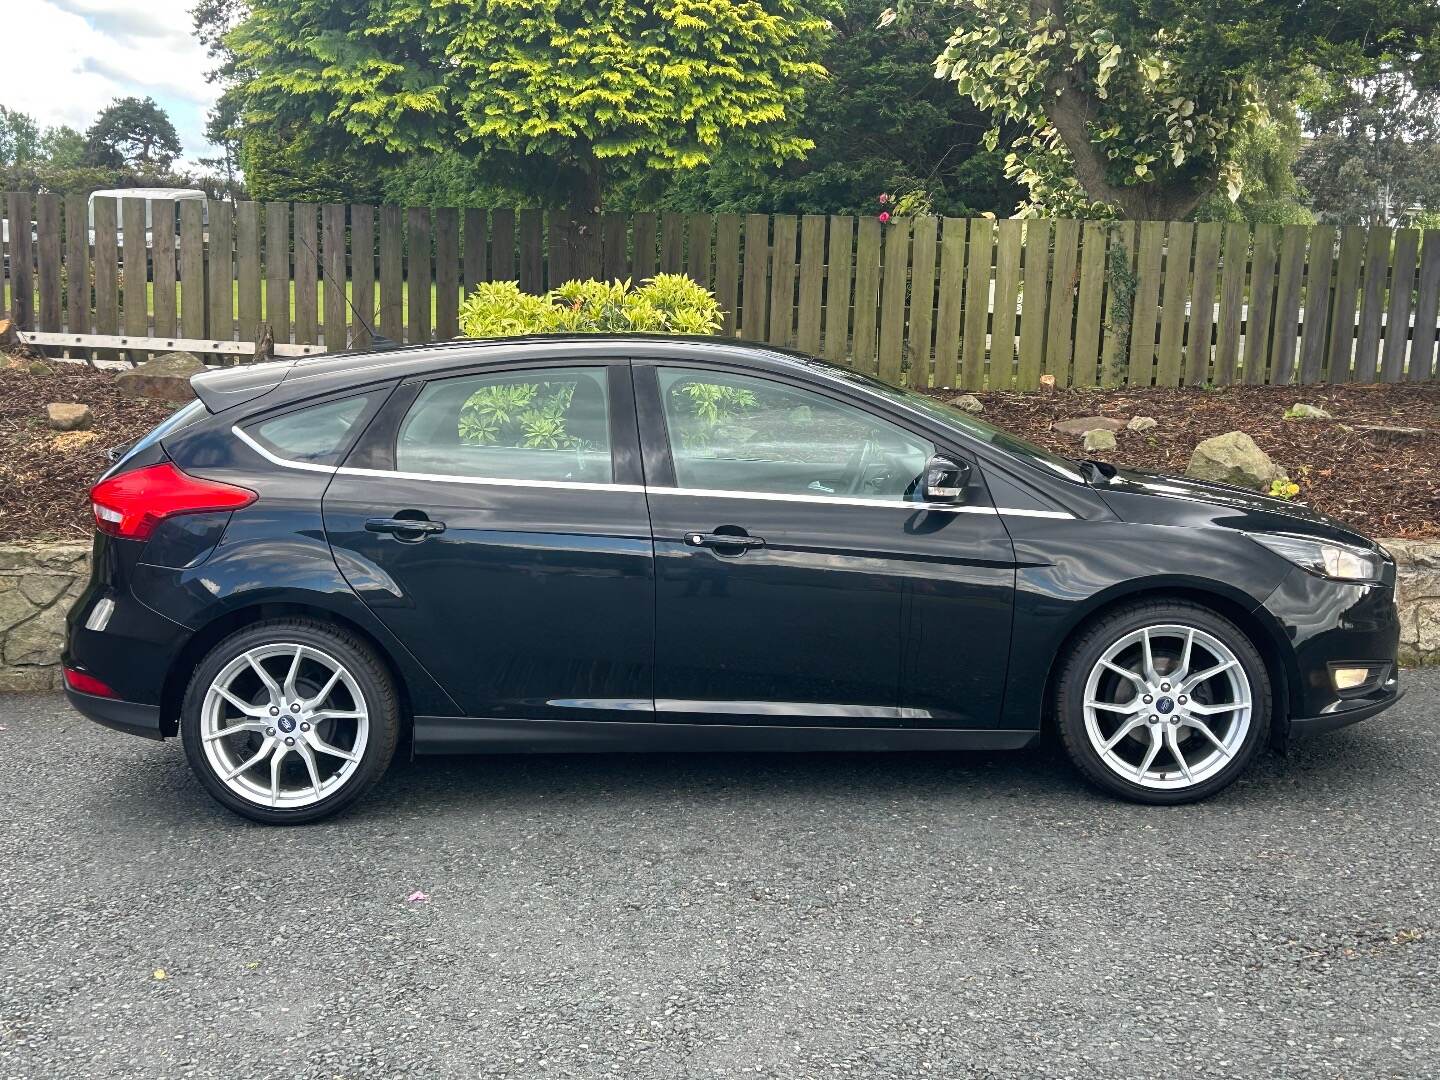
x=286, y=724
x=1163, y=705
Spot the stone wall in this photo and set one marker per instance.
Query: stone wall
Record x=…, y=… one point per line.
x=38, y=582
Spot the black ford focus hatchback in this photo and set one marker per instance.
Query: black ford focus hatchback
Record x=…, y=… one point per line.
x=636, y=543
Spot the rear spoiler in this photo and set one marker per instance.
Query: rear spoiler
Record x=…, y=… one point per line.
x=224, y=388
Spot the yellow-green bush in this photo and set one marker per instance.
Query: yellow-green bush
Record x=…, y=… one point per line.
x=665, y=304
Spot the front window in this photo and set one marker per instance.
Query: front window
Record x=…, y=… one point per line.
x=741, y=433
x=541, y=424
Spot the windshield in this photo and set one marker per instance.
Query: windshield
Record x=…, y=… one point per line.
x=977, y=429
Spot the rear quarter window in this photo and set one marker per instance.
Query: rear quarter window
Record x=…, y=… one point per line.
x=317, y=434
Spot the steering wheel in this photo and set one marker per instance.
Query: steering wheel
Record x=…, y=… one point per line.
x=858, y=463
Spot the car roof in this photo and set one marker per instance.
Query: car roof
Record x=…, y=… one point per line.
x=225, y=388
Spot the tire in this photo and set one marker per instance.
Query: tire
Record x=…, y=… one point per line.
x=1164, y=756
x=330, y=749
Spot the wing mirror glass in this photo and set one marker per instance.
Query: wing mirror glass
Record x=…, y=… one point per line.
x=945, y=480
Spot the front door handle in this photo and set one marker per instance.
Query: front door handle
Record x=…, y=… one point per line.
x=721, y=541
x=419, y=528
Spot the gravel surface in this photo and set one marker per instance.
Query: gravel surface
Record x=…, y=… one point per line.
x=947, y=915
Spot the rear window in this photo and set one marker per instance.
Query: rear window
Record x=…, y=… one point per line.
x=316, y=434
x=179, y=420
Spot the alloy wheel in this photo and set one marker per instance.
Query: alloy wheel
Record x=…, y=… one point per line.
x=284, y=725
x=1167, y=706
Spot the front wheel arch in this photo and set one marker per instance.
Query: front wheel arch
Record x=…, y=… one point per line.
x=1267, y=639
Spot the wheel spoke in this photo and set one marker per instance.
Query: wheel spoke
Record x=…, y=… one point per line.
x=293, y=672
x=1209, y=673
x=1173, y=743
x=1204, y=729
x=280, y=752
x=1109, y=706
x=319, y=699
x=271, y=686
x=1150, y=673
x=1200, y=709
x=334, y=714
x=307, y=755
x=265, y=748
x=236, y=729
x=1122, y=731
x=1138, y=680
x=1178, y=675
x=1149, y=754
x=325, y=748
x=245, y=707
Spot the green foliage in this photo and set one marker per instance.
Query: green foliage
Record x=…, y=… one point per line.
x=1265, y=156
x=531, y=415
x=880, y=122
x=1138, y=107
x=666, y=304
x=19, y=137
x=132, y=132
x=1284, y=489
x=1122, y=281
x=663, y=84
x=293, y=164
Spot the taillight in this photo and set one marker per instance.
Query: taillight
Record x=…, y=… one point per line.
x=86, y=684
x=132, y=504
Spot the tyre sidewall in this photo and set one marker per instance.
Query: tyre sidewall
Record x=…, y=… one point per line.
x=375, y=686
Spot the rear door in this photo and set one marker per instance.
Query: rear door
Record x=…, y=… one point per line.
x=794, y=551
x=495, y=520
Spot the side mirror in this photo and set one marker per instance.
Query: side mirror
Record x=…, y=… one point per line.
x=945, y=480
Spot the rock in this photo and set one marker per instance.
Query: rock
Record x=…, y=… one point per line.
x=67, y=417
x=968, y=403
x=1233, y=458
x=42, y=590
x=1301, y=411
x=1142, y=423
x=15, y=606
x=166, y=378
x=29, y=680
x=67, y=441
x=38, y=641
x=1099, y=439
x=40, y=367
x=1080, y=425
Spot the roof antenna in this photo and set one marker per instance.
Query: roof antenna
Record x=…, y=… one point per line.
x=378, y=342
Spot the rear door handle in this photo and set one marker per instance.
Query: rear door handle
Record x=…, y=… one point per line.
x=722, y=540
x=404, y=525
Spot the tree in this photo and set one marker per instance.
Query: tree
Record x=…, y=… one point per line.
x=665, y=83
x=19, y=137
x=135, y=133
x=1137, y=107
x=880, y=122
x=1265, y=156
x=1375, y=155
x=62, y=147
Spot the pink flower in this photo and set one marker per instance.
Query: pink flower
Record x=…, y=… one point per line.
x=884, y=198
x=884, y=216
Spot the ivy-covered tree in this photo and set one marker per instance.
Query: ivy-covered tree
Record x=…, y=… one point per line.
x=1137, y=107
x=661, y=83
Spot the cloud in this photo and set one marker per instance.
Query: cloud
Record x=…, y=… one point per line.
x=78, y=55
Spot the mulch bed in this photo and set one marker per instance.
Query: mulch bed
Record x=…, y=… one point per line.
x=44, y=489
x=1384, y=486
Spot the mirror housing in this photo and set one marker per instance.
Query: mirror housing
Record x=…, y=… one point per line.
x=945, y=480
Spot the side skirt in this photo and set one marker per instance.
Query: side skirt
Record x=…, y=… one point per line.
x=461, y=735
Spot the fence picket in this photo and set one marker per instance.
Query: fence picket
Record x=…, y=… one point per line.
x=193, y=303
x=1372, y=302
x=475, y=244
x=1170, y=356
x=77, y=265
x=1008, y=236
x=672, y=243
x=1315, y=322
x=727, y=269
x=532, y=277
x=307, y=268
x=643, y=263
x=502, y=246
x=697, y=248
x=839, y=261
x=1202, y=303
x=868, y=240
x=1121, y=255
x=755, y=282
x=896, y=267
x=1397, y=315
x=135, y=303
x=1034, y=294
x=334, y=330
x=1060, y=317
x=247, y=266
x=979, y=259
x=22, y=261
x=47, y=258
x=362, y=275
x=1256, y=364
x=1087, y=306
x=162, y=268
x=812, y=283
x=447, y=273
x=277, y=268
x=1347, y=284
x=392, y=274
x=1427, y=310
x=782, y=279
x=922, y=300
x=1232, y=303
x=1287, y=304
x=1146, y=306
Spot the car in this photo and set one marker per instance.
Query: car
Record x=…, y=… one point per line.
x=620, y=543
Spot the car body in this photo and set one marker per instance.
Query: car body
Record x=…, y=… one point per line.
x=720, y=546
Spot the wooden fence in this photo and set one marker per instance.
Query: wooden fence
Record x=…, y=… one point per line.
x=951, y=302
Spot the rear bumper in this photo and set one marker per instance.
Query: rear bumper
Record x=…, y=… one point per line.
x=126, y=716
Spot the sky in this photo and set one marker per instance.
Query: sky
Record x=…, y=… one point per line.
x=72, y=57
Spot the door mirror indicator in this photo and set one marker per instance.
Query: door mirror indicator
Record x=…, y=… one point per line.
x=945, y=479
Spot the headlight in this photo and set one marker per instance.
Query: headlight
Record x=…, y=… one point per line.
x=1321, y=557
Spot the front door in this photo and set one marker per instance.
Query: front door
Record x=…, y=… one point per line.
x=496, y=523
x=791, y=546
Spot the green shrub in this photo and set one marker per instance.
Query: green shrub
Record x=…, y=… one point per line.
x=666, y=304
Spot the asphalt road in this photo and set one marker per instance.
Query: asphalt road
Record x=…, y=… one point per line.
x=725, y=916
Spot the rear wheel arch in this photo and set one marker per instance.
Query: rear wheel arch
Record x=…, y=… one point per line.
x=223, y=625
x=1267, y=638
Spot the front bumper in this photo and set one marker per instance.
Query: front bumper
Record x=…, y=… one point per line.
x=126, y=716
x=1347, y=711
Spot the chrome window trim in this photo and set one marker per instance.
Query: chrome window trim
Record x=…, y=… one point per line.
x=580, y=485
